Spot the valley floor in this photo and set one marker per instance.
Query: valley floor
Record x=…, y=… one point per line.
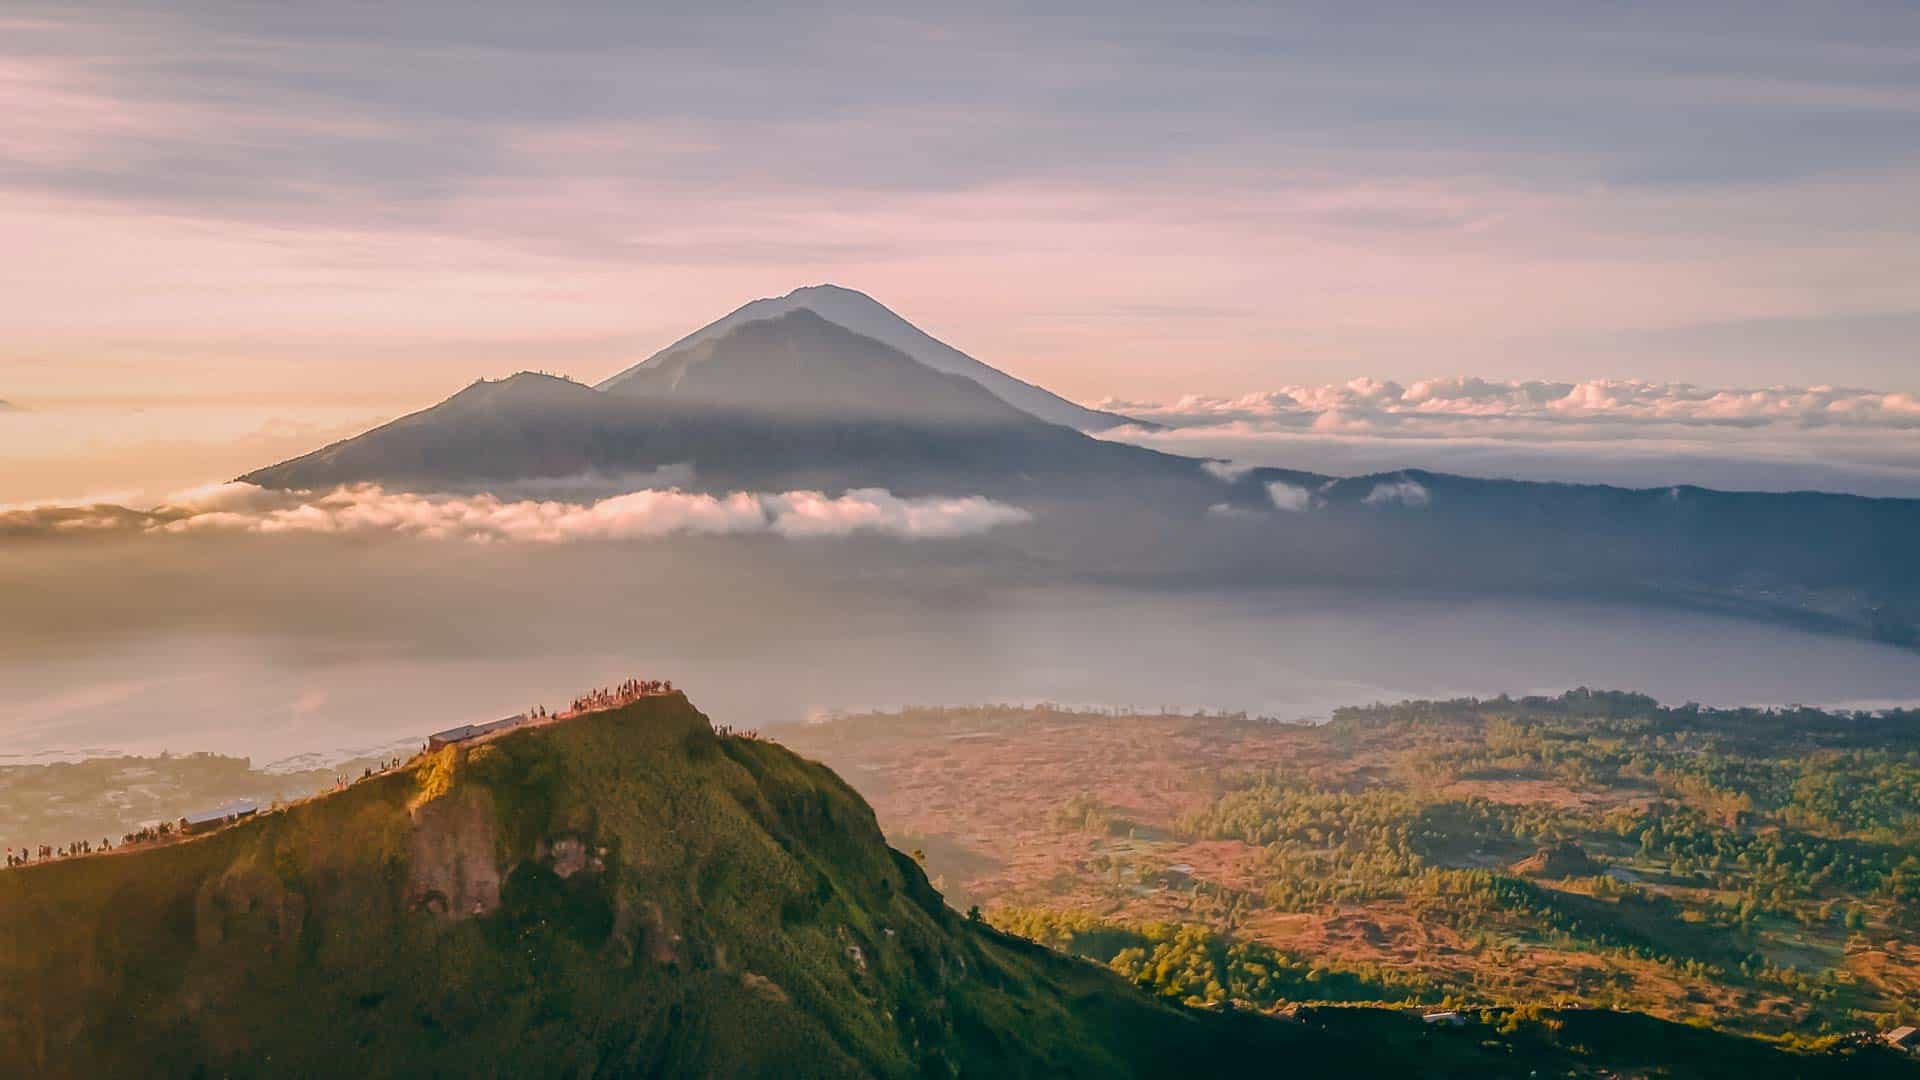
x=1755, y=872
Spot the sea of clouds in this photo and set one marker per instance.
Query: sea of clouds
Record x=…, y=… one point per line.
x=1378, y=402
x=239, y=508
x=1617, y=431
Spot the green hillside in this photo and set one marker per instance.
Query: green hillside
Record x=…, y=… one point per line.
x=627, y=893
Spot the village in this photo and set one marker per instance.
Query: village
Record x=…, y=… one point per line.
x=200, y=822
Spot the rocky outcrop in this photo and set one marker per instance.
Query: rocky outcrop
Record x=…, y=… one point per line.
x=1563, y=860
x=453, y=866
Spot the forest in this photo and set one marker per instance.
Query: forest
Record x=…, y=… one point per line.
x=1753, y=870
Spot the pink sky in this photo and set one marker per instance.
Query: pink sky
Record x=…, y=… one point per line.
x=320, y=216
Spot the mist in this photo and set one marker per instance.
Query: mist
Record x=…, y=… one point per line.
x=330, y=645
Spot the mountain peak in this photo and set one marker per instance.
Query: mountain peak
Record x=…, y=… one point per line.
x=523, y=386
x=867, y=317
x=532, y=378
x=827, y=288
x=799, y=363
x=792, y=400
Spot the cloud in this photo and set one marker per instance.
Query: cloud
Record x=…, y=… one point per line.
x=238, y=508
x=1226, y=471
x=1374, y=404
x=231, y=497
x=810, y=513
x=1398, y=492
x=1289, y=497
x=1631, y=432
x=75, y=502
x=285, y=181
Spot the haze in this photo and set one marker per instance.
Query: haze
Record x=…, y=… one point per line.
x=1652, y=248
x=210, y=643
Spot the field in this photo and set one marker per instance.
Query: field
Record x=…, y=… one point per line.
x=1755, y=871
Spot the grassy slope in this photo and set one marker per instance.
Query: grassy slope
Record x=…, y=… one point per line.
x=293, y=943
x=719, y=938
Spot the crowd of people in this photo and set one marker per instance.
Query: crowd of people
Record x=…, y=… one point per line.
x=613, y=697
x=381, y=766
x=146, y=833
x=727, y=731
x=28, y=854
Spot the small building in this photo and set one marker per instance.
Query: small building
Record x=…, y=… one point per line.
x=219, y=815
x=452, y=735
x=466, y=732
x=1450, y=1018
x=1903, y=1038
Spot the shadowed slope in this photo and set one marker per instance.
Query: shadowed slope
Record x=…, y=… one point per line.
x=525, y=426
x=800, y=365
x=790, y=402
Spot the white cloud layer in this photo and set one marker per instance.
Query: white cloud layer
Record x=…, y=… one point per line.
x=1289, y=497
x=1227, y=471
x=1367, y=403
x=237, y=508
x=1398, y=492
x=1616, y=431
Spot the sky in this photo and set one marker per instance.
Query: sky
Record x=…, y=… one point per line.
x=260, y=226
x=1651, y=244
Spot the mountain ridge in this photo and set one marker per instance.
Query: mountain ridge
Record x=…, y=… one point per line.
x=625, y=892
x=798, y=402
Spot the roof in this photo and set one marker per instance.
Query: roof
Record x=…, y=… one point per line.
x=1901, y=1035
x=468, y=731
x=223, y=811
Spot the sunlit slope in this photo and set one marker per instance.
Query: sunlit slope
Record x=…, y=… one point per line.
x=626, y=893
x=631, y=894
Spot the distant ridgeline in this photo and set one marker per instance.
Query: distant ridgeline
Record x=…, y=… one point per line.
x=629, y=892
x=827, y=390
x=1593, y=711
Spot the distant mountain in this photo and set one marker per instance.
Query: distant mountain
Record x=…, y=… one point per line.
x=1835, y=563
x=789, y=401
x=799, y=364
x=797, y=401
x=868, y=317
x=630, y=893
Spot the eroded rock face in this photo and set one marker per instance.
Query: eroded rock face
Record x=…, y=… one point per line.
x=454, y=870
x=247, y=905
x=571, y=855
